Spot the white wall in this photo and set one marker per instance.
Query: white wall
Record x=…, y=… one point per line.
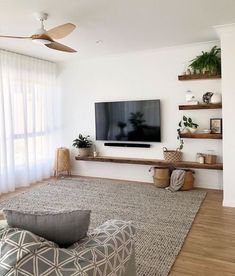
x=134, y=76
x=227, y=35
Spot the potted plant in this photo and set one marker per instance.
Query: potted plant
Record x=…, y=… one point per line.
x=187, y=125
x=174, y=155
x=83, y=143
x=208, y=62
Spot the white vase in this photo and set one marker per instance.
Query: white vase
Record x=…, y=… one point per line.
x=216, y=98
x=185, y=130
x=189, y=96
x=84, y=152
x=192, y=129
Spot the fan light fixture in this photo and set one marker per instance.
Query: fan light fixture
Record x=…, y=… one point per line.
x=46, y=37
x=41, y=41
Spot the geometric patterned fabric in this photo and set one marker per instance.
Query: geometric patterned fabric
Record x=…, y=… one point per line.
x=104, y=252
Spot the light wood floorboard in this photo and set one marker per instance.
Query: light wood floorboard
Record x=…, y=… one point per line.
x=209, y=249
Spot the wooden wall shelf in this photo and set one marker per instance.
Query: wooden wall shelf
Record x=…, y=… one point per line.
x=201, y=135
x=198, y=77
x=200, y=106
x=151, y=162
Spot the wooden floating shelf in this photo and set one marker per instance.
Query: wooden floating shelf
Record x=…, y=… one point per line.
x=201, y=135
x=198, y=77
x=151, y=162
x=200, y=106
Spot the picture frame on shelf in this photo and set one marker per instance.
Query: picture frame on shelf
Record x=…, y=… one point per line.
x=216, y=125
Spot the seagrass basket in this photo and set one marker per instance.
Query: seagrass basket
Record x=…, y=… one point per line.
x=62, y=161
x=161, y=177
x=188, y=181
x=172, y=155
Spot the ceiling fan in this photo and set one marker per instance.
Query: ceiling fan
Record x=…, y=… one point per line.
x=42, y=36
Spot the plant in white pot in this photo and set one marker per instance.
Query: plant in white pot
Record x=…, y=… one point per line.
x=187, y=125
x=83, y=143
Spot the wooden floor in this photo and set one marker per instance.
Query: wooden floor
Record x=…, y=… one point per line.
x=210, y=246
x=209, y=249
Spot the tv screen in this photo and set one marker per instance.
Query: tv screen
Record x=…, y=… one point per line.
x=128, y=121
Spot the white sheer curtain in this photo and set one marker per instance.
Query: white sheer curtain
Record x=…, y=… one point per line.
x=27, y=119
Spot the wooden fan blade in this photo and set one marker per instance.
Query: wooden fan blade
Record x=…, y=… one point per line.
x=9, y=36
x=61, y=31
x=60, y=47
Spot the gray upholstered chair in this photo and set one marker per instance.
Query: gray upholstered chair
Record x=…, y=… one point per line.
x=108, y=250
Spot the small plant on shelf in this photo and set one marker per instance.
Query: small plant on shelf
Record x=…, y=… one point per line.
x=83, y=143
x=187, y=125
x=208, y=62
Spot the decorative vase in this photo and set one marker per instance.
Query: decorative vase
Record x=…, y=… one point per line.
x=216, y=98
x=189, y=96
x=192, y=129
x=185, y=130
x=84, y=152
x=207, y=97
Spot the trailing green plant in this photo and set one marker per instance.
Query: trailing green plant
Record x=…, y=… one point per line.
x=180, y=140
x=183, y=124
x=82, y=142
x=207, y=62
x=187, y=122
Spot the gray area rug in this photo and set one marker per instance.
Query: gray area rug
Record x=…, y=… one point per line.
x=162, y=219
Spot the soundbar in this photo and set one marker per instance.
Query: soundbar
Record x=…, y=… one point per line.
x=127, y=145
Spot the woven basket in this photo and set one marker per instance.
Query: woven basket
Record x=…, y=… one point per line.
x=188, y=181
x=161, y=177
x=62, y=161
x=172, y=155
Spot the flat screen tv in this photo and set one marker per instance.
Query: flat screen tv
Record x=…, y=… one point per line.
x=128, y=121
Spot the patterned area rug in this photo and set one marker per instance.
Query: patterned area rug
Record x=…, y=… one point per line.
x=162, y=219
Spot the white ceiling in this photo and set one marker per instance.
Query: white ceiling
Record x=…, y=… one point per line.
x=121, y=26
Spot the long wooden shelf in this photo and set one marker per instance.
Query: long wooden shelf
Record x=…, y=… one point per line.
x=198, y=77
x=152, y=162
x=201, y=135
x=200, y=106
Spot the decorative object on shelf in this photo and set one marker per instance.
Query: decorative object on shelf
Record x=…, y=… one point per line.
x=83, y=143
x=206, y=130
x=200, y=158
x=216, y=98
x=207, y=97
x=210, y=159
x=62, y=161
x=95, y=153
x=185, y=126
x=190, y=97
x=216, y=125
x=194, y=102
x=187, y=123
x=207, y=158
x=173, y=155
x=208, y=63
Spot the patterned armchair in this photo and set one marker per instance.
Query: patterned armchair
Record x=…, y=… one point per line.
x=108, y=250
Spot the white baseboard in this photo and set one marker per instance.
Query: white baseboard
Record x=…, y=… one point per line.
x=229, y=203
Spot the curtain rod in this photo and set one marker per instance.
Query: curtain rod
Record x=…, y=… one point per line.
x=26, y=55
